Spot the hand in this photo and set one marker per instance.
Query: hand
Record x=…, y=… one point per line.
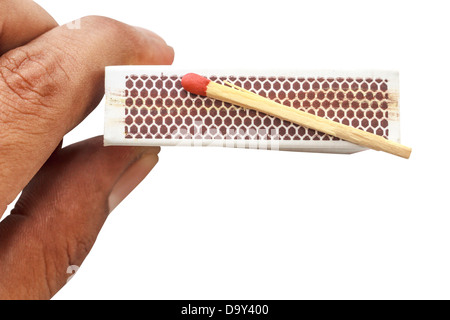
x=51, y=77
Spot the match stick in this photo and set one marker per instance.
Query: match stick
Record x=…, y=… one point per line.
x=197, y=84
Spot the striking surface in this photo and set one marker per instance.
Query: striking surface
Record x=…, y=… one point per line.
x=159, y=108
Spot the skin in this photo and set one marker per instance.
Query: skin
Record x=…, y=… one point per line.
x=51, y=77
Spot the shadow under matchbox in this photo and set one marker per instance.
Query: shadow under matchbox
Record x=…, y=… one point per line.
x=147, y=106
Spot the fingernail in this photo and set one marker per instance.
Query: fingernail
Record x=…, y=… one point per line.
x=131, y=178
x=149, y=33
x=162, y=53
x=171, y=55
x=165, y=56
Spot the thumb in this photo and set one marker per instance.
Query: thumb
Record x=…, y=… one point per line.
x=60, y=213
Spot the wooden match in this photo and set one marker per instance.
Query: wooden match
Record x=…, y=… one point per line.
x=197, y=84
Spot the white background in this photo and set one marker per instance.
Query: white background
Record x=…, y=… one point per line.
x=212, y=223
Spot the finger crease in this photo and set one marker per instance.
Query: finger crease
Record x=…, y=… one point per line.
x=16, y=71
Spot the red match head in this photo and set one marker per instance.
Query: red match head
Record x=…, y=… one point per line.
x=195, y=84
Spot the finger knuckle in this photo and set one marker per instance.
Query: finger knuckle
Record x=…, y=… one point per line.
x=30, y=82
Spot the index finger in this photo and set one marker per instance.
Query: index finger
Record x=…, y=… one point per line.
x=22, y=21
x=48, y=86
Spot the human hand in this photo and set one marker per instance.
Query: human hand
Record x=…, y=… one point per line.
x=51, y=77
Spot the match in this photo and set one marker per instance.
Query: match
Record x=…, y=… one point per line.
x=202, y=86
